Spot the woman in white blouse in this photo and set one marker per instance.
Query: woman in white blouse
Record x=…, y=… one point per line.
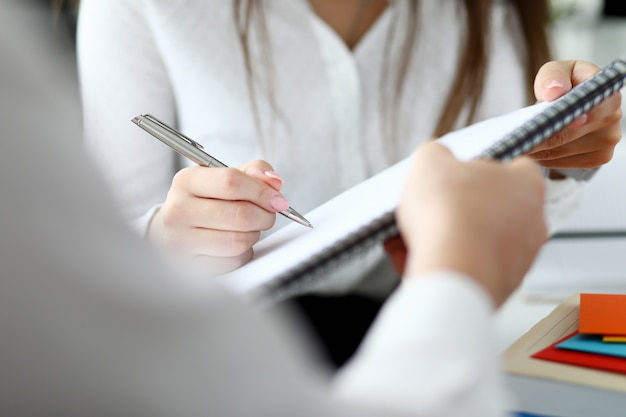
x=311, y=87
x=330, y=92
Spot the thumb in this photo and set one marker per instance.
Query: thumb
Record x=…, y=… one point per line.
x=432, y=152
x=553, y=80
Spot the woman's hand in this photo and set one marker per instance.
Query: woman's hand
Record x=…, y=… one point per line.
x=590, y=140
x=219, y=213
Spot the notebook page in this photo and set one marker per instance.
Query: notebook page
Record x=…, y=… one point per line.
x=358, y=206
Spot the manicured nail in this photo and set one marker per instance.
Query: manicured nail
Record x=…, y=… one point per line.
x=279, y=203
x=554, y=84
x=273, y=175
x=580, y=120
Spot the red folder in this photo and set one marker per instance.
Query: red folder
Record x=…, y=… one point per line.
x=588, y=360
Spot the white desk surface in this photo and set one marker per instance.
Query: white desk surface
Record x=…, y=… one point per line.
x=600, y=43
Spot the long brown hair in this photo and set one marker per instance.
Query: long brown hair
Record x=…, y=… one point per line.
x=65, y=15
x=245, y=11
x=468, y=85
x=68, y=6
x=469, y=80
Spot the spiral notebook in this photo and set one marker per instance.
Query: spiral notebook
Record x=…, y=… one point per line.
x=292, y=260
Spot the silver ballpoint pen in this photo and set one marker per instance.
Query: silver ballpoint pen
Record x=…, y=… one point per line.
x=192, y=150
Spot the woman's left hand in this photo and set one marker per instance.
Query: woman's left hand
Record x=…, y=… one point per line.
x=590, y=140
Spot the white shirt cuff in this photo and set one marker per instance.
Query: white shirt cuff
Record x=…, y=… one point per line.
x=562, y=199
x=140, y=225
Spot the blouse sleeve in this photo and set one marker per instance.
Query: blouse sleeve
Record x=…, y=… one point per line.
x=118, y=83
x=430, y=352
x=562, y=199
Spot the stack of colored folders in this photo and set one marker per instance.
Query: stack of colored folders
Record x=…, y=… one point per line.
x=550, y=372
x=600, y=341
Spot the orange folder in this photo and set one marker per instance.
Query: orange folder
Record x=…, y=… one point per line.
x=603, y=314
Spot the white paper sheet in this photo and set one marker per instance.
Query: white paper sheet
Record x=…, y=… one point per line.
x=358, y=206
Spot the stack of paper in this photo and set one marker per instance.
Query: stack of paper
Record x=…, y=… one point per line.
x=561, y=381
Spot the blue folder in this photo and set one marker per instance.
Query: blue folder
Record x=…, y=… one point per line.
x=593, y=344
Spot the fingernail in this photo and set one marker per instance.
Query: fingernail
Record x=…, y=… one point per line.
x=273, y=175
x=279, y=203
x=581, y=120
x=554, y=84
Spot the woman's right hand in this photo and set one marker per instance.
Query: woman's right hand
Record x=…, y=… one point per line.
x=218, y=213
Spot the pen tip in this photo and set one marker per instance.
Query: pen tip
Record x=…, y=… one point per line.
x=302, y=220
x=297, y=217
x=136, y=120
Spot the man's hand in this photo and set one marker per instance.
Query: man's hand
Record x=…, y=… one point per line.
x=481, y=218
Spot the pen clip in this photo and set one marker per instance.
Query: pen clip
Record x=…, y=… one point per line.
x=174, y=132
x=191, y=141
